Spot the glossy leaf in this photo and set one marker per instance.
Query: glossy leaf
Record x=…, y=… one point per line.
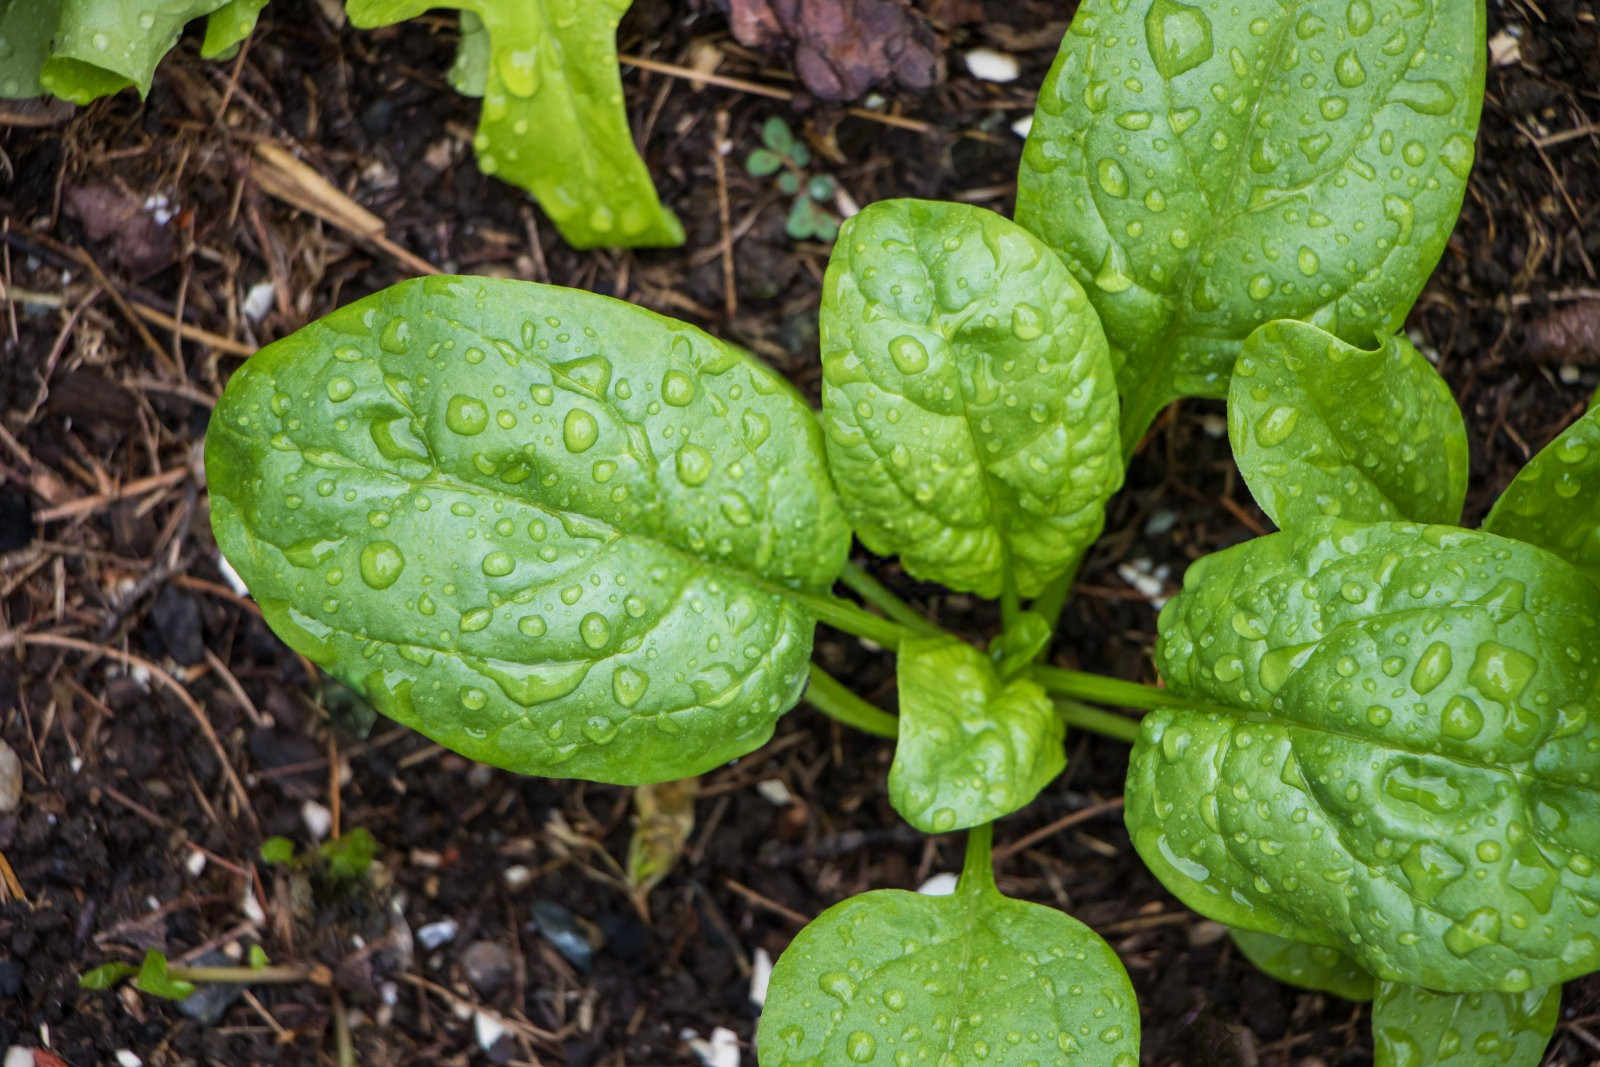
x=26, y=26
x=1207, y=167
x=1392, y=749
x=1308, y=966
x=553, y=121
x=104, y=46
x=968, y=397
x=228, y=26
x=970, y=748
x=894, y=977
x=154, y=978
x=1554, y=502
x=1415, y=1027
x=550, y=530
x=1323, y=429
x=469, y=73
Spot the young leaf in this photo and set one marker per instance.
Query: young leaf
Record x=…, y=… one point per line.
x=1322, y=428
x=469, y=72
x=277, y=850
x=897, y=977
x=777, y=136
x=26, y=26
x=106, y=975
x=1308, y=966
x=550, y=530
x=1392, y=750
x=763, y=162
x=1024, y=638
x=971, y=749
x=788, y=184
x=228, y=26
x=350, y=855
x=154, y=979
x=552, y=120
x=1207, y=167
x=104, y=46
x=1416, y=1027
x=1554, y=502
x=968, y=396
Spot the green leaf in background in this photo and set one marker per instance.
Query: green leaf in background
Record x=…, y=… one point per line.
x=553, y=121
x=968, y=397
x=1554, y=502
x=277, y=850
x=1321, y=428
x=106, y=975
x=551, y=530
x=469, y=73
x=1392, y=750
x=1308, y=966
x=26, y=27
x=893, y=977
x=762, y=162
x=777, y=136
x=971, y=749
x=349, y=856
x=1207, y=167
x=154, y=979
x=228, y=26
x=1415, y=1027
x=104, y=46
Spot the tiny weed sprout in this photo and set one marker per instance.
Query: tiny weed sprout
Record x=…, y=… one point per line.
x=574, y=538
x=788, y=158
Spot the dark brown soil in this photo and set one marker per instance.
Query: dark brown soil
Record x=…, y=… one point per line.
x=104, y=540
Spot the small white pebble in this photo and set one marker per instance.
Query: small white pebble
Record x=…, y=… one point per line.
x=17, y=1056
x=426, y=858
x=1148, y=581
x=251, y=906
x=1569, y=374
x=517, y=877
x=434, y=934
x=1504, y=48
x=1023, y=126
x=318, y=819
x=1214, y=426
x=774, y=792
x=940, y=885
x=127, y=1058
x=992, y=66
x=258, y=301
x=760, y=976
x=75, y=764
x=195, y=863
x=490, y=1029
x=721, y=1051
x=162, y=211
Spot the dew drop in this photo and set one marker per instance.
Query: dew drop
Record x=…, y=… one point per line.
x=498, y=564
x=380, y=564
x=340, y=389
x=466, y=415
x=693, y=464
x=1113, y=179
x=677, y=388
x=579, y=431
x=1276, y=426
x=861, y=1046
x=595, y=631
x=531, y=626
x=909, y=355
x=1178, y=36
x=628, y=686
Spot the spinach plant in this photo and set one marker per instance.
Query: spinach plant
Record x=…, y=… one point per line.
x=571, y=537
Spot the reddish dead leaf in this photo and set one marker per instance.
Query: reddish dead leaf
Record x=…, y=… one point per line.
x=1570, y=333
x=138, y=242
x=842, y=48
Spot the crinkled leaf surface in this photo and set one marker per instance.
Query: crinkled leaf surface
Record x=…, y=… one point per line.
x=971, y=748
x=1322, y=428
x=26, y=26
x=1308, y=966
x=1207, y=167
x=968, y=396
x=548, y=529
x=553, y=120
x=103, y=46
x=1393, y=750
x=1554, y=502
x=1415, y=1027
x=892, y=977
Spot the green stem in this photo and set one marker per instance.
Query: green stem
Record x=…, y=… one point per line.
x=1010, y=602
x=1098, y=689
x=874, y=592
x=283, y=974
x=977, y=869
x=1106, y=723
x=830, y=696
x=843, y=615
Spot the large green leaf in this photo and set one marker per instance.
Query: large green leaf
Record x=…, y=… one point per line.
x=1308, y=966
x=1415, y=1027
x=26, y=27
x=1322, y=428
x=1554, y=502
x=1393, y=749
x=891, y=977
x=553, y=121
x=970, y=748
x=1207, y=167
x=103, y=46
x=228, y=26
x=968, y=396
x=551, y=530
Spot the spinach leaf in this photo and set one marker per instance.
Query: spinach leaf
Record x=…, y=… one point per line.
x=1554, y=502
x=228, y=26
x=1308, y=966
x=26, y=26
x=1392, y=750
x=550, y=530
x=968, y=397
x=970, y=749
x=1207, y=167
x=1415, y=1027
x=897, y=977
x=553, y=121
x=1323, y=428
x=469, y=74
x=104, y=46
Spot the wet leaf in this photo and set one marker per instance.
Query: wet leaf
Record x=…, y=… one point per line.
x=27, y=26
x=971, y=748
x=553, y=121
x=105, y=46
x=550, y=530
x=1207, y=167
x=228, y=26
x=897, y=977
x=1554, y=502
x=1415, y=1027
x=968, y=397
x=1392, y=750
x=1324, y=429
x=1308, y=966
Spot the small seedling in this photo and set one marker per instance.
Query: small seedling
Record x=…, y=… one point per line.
x=345, y=858
x=157, y=977
x=788, y=158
